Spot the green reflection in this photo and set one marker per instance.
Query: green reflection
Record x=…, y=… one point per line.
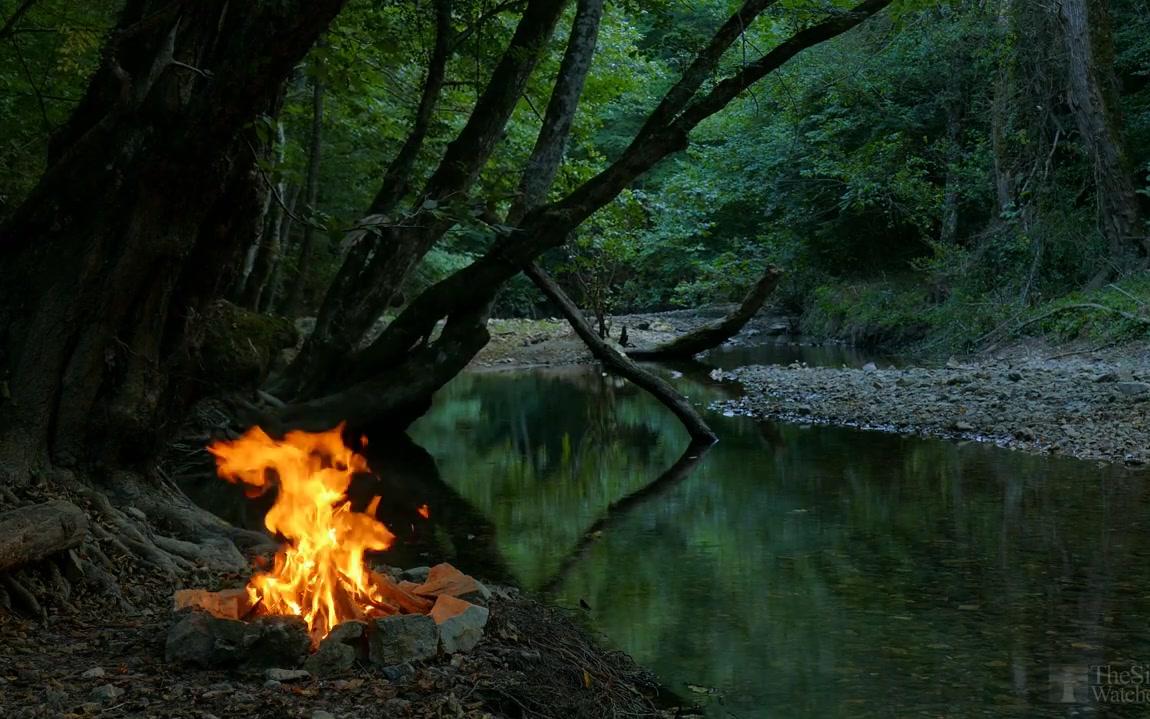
x=808, y=572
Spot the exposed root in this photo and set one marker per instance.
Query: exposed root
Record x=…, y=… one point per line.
x=23, y=598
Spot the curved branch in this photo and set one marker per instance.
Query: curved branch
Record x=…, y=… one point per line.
x=606, y=354
x=716, y=333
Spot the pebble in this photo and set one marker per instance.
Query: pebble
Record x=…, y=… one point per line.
x=321, y=714
x=287, y=675
x=93, y=673
x=1083, y=407
x=106, y=693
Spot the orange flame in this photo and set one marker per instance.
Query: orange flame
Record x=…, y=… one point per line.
x=319, y=574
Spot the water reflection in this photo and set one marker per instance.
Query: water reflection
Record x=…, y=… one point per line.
x=800, y=571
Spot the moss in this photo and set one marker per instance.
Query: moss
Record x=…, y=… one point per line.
x=236, y=347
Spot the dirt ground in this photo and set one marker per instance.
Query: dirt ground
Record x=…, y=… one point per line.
x=97, y=661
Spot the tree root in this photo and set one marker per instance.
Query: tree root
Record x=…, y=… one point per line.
x=24, y=599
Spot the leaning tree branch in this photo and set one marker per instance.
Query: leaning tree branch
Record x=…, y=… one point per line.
x=703, y=65
x=607, y=354
x=538, y=176
x=477, y=284
x=395, y=179
x=714, y=334
x=369, y=278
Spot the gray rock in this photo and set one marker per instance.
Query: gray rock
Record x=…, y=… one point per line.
x=415, y=574
x=277, y=642
x=206, y=641
x=350, y=632
x=272, y=684
x=107, y=693
x=93, y=673
x=395, y=673
x=331, y=659
x=1014, y=376
x=1133, y=389
x=870, y=367
x=1025, y=434
x=460, y=623
x=210, y=642
x=339, y=650
x=321, y=714
x=960, y=426
x=403, y=638
x=286, y=675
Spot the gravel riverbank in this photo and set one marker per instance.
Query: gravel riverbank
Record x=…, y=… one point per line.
x=1091, y=408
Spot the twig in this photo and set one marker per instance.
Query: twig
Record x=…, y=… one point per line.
x=10, y=23
x=1081, y=306
x=1132, y=296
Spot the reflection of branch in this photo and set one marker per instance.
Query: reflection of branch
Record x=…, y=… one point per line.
x=619, y=510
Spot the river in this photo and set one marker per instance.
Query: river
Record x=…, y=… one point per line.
x=801, y=571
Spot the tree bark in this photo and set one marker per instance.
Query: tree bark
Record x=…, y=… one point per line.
x=268, y=247
x=1093, y=94
x=311, y=198
x=99, y=284
x=373, y=272
x=29, y=534
x=398, y=175
x=715, y=333
x=270, y=295
x=551, y=142
x=405, y=365
x=538, y=176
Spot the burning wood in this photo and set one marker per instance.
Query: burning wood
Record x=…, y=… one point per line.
x=320, y=575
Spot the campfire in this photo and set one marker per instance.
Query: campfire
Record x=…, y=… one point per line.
x=320, y=577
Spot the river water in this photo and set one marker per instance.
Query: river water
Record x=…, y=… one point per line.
x=802, y=571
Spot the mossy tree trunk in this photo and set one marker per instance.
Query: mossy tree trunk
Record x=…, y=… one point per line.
x=149, y=199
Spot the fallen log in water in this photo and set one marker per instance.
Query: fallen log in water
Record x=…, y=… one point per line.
x=32, y=533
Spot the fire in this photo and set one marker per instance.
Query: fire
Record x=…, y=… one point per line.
x=320, y=573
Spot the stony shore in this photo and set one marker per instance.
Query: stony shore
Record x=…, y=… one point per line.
x=1089, y=407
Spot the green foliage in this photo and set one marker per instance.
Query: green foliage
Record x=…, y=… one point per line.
x=44, y=68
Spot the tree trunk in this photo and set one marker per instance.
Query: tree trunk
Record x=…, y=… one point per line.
x=407, y=363
x=102, y=274
x=715, y=333
x=273, y=288
x=376, y=267
x=398, y=175
x=311, y=199
x=268, y=248
x=1092, y=92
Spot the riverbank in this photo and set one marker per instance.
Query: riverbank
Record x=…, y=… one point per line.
x=1077, y=401
x=1093, y=406
x=518, y=343
x=97, y=660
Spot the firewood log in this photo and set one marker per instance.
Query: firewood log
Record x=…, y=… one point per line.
x=32, y=533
